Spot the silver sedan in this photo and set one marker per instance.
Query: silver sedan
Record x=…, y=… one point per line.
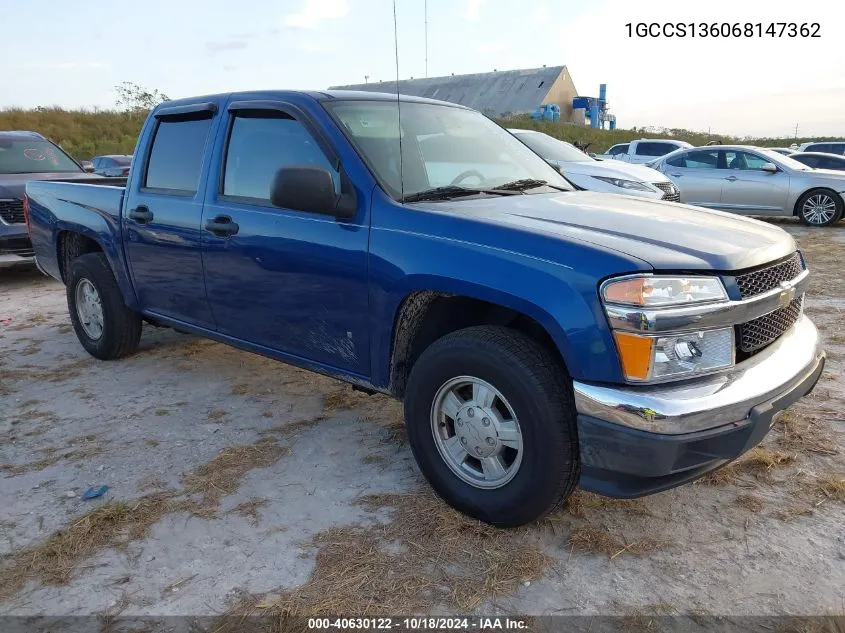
x=755, y=181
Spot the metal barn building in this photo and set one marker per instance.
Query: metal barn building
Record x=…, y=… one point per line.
x=500, y=93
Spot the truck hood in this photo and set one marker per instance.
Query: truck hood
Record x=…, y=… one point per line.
x=613, y=169
x=14, y=185
x=666, y=235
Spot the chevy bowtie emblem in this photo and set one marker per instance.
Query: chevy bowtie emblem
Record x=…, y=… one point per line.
x=788, y=294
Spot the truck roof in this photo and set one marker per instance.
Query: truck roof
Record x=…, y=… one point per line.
x=21, y=135
x=317, y=95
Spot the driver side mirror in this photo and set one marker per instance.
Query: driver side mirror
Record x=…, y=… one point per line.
x=88, y=169
x=769, y=168
x=310, y=189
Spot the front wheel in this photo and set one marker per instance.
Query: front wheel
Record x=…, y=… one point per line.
x=819, y=207
x=491, y=423
x=105, y=327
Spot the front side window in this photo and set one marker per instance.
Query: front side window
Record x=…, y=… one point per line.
x=33, y=156
x=260, y=144
x=743, y=160
x=702, y=159
x=176, y=155
x=650, y=148
x=618, y=149
x=440, y=146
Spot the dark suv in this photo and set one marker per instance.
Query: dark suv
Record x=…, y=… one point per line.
x=26, y=156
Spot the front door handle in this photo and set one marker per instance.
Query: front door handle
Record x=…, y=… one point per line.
x=731, y=178
x=222, y=226
x=142, y=215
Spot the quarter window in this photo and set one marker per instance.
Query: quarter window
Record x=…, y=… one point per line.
x=176, y=155
x=259, y=144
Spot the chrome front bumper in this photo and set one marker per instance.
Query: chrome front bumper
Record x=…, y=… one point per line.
x=711, y=401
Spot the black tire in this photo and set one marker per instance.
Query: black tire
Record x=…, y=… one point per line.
x=121, y=329
x=540, y=393
x=806, y=217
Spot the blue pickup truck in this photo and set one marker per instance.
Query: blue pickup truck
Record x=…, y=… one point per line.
x=540, y=337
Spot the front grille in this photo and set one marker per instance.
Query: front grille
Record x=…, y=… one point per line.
x=765, y=279
x=11, y=211
x=670, y=191
x=759, y=332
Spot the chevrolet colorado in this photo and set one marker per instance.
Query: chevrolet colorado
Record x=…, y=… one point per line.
x=540, y=337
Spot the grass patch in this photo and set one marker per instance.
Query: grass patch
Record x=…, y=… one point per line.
x=373, y=459
x=216, y=414
x=758, y=462
x=749, y=502
x=580, y=502
x=53, y=561
x=594, y=540
x=53, y=457
x=803, y=433
x=240, y=389
x=162, y=412
x=222, y=476
x=409, y=565
x=343, y=398
x=249, y=510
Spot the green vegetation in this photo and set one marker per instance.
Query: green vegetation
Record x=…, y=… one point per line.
x=87, y=133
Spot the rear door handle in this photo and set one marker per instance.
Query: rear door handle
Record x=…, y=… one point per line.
x=222, y=226
x=731, y=178
x=142, y=215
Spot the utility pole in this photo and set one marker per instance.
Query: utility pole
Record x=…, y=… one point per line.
x=425, y=9
x=796, y=131
x=366, y=79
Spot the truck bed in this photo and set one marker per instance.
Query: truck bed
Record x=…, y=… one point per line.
x=90, y=208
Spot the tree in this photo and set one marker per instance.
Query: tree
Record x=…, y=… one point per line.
x=136, y=99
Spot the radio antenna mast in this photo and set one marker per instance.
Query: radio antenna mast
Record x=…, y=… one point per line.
x=425, y=9
x=398, y=103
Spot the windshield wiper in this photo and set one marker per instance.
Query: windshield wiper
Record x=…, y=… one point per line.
x=525, y=184
x=452, y=191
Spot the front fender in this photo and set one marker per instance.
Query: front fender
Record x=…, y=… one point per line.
x=561, y=298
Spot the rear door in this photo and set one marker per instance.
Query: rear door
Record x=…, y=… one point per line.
x=748, y=189
x=697, y=175
x=162, y=219
x=290, y=281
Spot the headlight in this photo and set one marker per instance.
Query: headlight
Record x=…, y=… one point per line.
x=625, y=184
x=674, y=355
x=663, y=291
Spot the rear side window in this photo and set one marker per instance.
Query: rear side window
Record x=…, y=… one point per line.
x=262, y=142
x=176, y=155
x=818, y=147
x=655, y=149
x=702, y=159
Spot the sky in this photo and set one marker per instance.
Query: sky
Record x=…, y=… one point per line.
x=72, y=54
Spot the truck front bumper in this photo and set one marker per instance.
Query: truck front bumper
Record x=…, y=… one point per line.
x=640, y=440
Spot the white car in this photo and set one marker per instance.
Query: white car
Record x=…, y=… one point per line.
x=643, y=150
x=596, y=175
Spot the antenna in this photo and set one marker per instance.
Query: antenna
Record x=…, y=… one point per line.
x=425, y=9
x=398, y=101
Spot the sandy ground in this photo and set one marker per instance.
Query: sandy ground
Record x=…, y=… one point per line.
x=237, y=482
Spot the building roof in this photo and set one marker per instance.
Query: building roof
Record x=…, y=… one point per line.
x=496, y=93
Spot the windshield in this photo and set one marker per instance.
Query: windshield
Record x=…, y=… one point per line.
x=780, y=159
x=551, y=148
x=33, y=156
x=441, y=147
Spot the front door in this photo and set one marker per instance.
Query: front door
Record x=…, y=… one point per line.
x=748, y=189
x=161, y=224
x=291, y=281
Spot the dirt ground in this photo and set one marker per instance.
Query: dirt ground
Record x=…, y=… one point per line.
x=240, y=485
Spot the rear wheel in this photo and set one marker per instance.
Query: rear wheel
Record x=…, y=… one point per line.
x=491, y=422
x=819, y=207
x=103, y=324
